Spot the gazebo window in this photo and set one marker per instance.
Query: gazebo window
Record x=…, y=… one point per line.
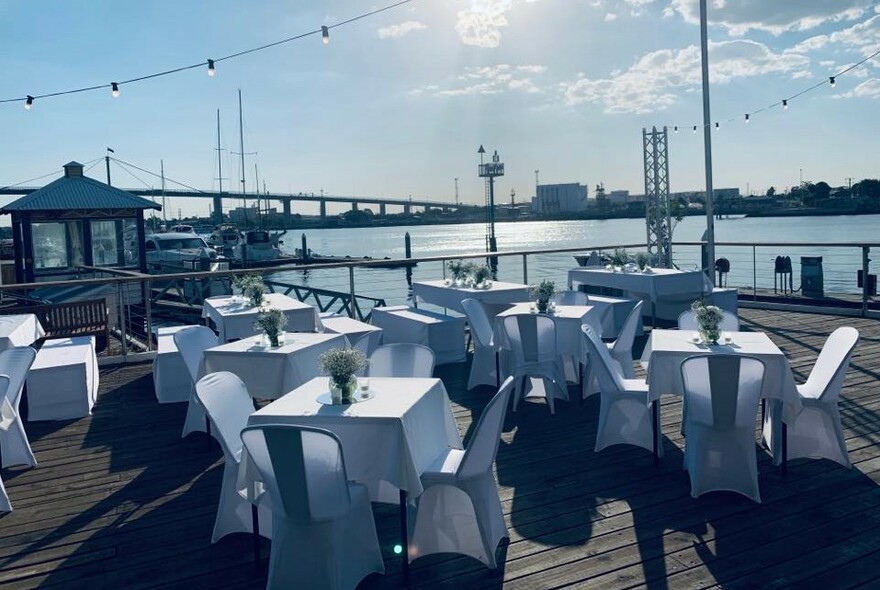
x=57, y=245
x=114, y=242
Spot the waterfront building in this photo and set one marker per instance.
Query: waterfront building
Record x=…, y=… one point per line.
x=560, y=198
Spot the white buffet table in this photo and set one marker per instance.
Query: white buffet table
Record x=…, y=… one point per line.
x=19, y=330
x=62, y=384
x=441, y=333
x=441, y=294
x=354, y=331
x=268, y=372
x=234, y=317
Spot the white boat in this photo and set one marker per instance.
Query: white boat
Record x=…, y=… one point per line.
x=182, y=229
x=175, y=252
x=258, y=246
x=225, y=238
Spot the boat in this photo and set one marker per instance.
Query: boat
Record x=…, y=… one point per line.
x=592, y=259
x=258, y=247
x=178, y=252
x=225, y=238
x=315, y=258
x=182, y=229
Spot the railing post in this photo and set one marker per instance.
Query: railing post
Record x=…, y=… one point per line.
x=865, y=290
x=754, y=275
x=525, y=269
x=351, y=310
x=148, y=291
x=121, y=312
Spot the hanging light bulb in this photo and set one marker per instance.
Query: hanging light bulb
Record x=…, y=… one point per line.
x=325, y=35
x=695, y=128
x=717, y=126
x=832, y=81
x=675, y=128
x=114, y=90
x=784, y=104
x=29, y=102
x=747, y=117
x=211, y=70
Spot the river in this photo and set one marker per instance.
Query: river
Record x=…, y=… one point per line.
x=839, y=264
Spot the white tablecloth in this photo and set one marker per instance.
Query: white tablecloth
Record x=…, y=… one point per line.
x=443, y=295
x=354, y=331
x=387, y=441
x=441, y=333
x=660, y=283
x=268, y=372
x=235, y=319
x=171, y=379
x=568, y=320
x=63, y=381
x=667, y=349
x=19, y=330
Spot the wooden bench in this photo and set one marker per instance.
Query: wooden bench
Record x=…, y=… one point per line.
x=69, y=319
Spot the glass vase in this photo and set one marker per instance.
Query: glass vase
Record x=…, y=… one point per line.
x=343, y=393
x=710, y=334
x=542, y=305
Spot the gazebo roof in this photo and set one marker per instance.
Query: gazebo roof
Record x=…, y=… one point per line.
x=75, y=191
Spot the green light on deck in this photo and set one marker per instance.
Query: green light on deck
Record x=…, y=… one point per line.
x=398, y=549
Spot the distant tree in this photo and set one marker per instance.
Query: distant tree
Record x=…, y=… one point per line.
x=771, y=192
x=867, y=189
x=821, y=190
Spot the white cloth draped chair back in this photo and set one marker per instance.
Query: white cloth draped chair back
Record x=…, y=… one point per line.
x=722, y=393
x=5, y=424
x=816, y=433
x=570, y=297
x=460, y=510
x=402, y=360
x=192, y=343
x=14, y=446
x=688, y=321
x=227, y=403
x=532, y=340
x=621, y=349
x=624, y=411
x=484, y=366
x=324, y=535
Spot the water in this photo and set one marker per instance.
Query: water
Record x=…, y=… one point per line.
x=839, y=264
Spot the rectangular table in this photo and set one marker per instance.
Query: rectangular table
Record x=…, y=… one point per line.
x=62, y=384
x=441, y=294
x=171, y=378
x=269, y=373
x=235, y=319
x=19, y=330
x=667, y=349
x=568, y=320
x=354, y=330
x=441, y=333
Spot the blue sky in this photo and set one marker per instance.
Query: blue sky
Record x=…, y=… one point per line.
x=398, y=103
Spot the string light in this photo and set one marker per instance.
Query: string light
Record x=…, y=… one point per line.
x=114, y=90
x=717, y=126
x=211, y=70
x=832, y=81
x=784, y=104
x=675, y=128
x=695, y=128
x=747, y=117
x=29, y=102
x=325, y=35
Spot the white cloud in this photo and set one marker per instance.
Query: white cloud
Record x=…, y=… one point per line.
x=481, y=23
x=401, y=29
x=774, y=16
x=863, y=37
x=610, y=17
x=489, y=80
x=652, y=83
x=867, y=89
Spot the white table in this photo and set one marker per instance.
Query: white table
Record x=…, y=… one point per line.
x=354, y=331
x=568, y=320
x=442, y=295
x=171, y=378
x=441, y=333
x=235, y=318
x=268, y=372
x=19, y=330
x=63, y=381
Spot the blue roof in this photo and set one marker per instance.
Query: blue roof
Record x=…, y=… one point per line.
x=78, y=192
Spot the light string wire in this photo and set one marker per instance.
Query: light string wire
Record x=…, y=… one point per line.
x=53, y=173
x=203, y=64
x=784, y=101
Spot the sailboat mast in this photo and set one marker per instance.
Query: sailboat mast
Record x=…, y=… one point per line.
x=164, y=216
x=241, y=150
x=219, y=154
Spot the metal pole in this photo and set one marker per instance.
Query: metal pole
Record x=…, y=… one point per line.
x=148, y=292
x=707, y=137
x=754, y=275
x=107, y=162
x=121, y=308
x=351, y=310
x=525, y=269
x=865, y=260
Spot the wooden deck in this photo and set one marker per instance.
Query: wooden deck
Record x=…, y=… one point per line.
x=119, y=500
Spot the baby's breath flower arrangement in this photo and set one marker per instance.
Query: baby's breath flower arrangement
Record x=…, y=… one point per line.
x=341, y=364
x=251, y=286
x=708, y=319
x=272, y=322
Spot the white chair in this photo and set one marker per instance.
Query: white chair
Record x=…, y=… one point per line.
x=621, y=349
x=402, y=360
x=192, y=343
x=532, y=340
x=14, y=445
x=722, y=393
x=323, y=533
x=571, y=298
x=6, y=421
x=816, y=432
x=688, y=321
x=624, y=411
x=227, y=403
x=460, y=511
x=484, y=365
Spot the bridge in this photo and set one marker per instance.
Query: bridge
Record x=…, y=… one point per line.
x=284, y=198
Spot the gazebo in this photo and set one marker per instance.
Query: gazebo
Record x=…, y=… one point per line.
x=73, y=222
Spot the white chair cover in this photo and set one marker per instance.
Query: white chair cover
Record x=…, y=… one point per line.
x=228, y=405
x=571, y=298
x=460, y=510
x=5, y=505
x=688, y=321
x=484, y=363
x=532, y=340
x=722, y=393
x=402, y=360
x=191, y=343
x=624, y=410
x=816, y=433
x=621, y=349
x=14, y=445
x=323, y=530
